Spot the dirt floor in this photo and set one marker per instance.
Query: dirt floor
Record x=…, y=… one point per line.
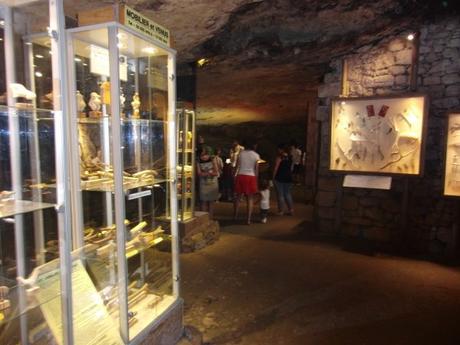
x=269, y=284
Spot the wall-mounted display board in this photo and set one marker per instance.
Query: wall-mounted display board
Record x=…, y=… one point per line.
x=452, y=166
x=378, y=135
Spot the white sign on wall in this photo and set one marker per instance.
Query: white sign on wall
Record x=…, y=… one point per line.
x=99, y=62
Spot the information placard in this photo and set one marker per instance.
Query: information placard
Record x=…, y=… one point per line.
x=91, y=321
x=99, y=62
x=366, y=181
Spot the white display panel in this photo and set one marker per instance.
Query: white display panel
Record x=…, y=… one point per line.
x=378, y=135
x=452, y=166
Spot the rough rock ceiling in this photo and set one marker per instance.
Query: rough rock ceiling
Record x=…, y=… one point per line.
x=264, y=54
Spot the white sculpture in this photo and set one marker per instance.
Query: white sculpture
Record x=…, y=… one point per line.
x=19, y=90
x=95, y=102
x=136, y=104
x=81, y=104
x=122, y=100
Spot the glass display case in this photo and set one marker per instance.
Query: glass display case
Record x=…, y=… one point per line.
x=185, y=121
x=28, y=221
x=379, y=135
x=452, y=158
x=124, y=154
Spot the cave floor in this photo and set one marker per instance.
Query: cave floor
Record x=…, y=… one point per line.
x=269, y=284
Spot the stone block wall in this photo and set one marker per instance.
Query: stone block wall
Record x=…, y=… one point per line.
x=385, y=69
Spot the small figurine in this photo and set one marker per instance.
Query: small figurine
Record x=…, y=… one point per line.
x=81, y=104
x=95, y=104
x=47, y=101
x=19, y=90
x=122, y=103
x=4, y=302
x=136, y=104
x=105, y=92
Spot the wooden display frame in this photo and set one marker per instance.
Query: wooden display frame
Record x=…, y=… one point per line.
x=447, y=139
x=418, y=152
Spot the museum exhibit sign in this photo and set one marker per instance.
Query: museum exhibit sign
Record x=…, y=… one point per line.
x=452, y=156
x=378, y=135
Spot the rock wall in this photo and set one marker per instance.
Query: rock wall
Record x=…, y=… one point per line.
x=375, y=215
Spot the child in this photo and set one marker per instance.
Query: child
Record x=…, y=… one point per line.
x=264, y=192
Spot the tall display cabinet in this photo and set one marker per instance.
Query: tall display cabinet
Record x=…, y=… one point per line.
x=123, y=120
x=94, y=205
x=185, y=121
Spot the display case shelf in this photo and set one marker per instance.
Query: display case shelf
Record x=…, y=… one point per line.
x=15, y=207
x=108, y=185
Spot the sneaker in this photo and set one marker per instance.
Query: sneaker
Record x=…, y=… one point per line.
x=263, y=220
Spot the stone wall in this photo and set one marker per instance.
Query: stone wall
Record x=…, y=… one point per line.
x=385, y=69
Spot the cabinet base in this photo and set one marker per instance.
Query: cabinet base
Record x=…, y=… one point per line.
x=167, y=330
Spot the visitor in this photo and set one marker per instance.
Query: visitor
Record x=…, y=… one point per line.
x=220, y=170
x=264, y=201
x=246, y=174
x=207, y=172
x=234, y=152
x=282, y=178
x=296, y=155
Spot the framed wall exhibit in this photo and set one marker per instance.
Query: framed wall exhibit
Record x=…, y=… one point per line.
x=378, y=135
x=452, y=156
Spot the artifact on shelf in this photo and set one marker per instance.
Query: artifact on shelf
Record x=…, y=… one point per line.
x=47, y=100
x=6, y=196
x=105, y=92
x=122, y=103
x=136, y=104
x=95, y=105
x=4, y=302
x=81, y=104
x=19, y=91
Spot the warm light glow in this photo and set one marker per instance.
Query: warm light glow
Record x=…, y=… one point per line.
x=2, y=22
x=1, y=39
x=343, y=103
x=149, y=50
x=50, y=52
x=120, y=45
x=77, y=59
x=38, y=56
x=84, y=64
x=410, y=37
x=38, y=74
x=202, y=62
x=28, y=43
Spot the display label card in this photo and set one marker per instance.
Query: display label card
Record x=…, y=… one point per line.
x=139, y=194
x=146, y=26
x=99, y=62
x=91, y=321
x=366, y=181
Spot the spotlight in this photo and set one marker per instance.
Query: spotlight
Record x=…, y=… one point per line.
x=38, y=74
x=410, y=37
x=202, y=62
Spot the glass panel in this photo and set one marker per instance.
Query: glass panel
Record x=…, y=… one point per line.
x=144, y=130
x=185, y=161
x=143, y=112
x=28, y=222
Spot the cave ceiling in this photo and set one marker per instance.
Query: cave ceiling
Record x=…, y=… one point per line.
x=263, y=55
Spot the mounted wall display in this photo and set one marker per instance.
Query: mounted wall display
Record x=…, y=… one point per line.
x=378, y=135
x=452, y=163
